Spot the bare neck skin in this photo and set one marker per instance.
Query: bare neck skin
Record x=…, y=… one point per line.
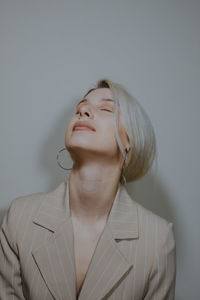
x=92, y=190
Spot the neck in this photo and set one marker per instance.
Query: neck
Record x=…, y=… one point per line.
x=92, y=190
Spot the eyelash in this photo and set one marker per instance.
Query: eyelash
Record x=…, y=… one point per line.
x=101, y=109
x=106, y=109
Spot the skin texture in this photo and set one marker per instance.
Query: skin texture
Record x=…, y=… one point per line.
x=93, y=181
x=97, y=159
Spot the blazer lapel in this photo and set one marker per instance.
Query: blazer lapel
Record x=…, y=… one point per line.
x=55, y=257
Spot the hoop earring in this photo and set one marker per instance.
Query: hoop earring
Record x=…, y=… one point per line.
x=57, y=158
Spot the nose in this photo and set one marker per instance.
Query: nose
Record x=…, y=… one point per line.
x=85, y=110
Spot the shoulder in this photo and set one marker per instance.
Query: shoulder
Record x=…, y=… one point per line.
x=20, y=206
x=156, y=253
x=149, y=226
x=147, y=221
x=158, y=231
x=148, y=218
x=24, y=207
x=20, y=209
x=156, y=240
x=34, y=201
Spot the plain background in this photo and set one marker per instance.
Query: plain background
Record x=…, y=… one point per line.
x=52, y=52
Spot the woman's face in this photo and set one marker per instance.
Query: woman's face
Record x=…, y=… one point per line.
x=97, y=109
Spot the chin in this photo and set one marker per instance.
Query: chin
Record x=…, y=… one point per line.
x=80, y=143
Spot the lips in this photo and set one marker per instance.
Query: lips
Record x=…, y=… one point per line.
x=81, y=125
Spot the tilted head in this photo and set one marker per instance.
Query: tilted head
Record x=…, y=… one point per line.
x=125, y=124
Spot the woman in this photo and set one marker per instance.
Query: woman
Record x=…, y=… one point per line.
x=88, y=239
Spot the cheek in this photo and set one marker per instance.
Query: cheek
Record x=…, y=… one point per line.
x=108, y=133
x=68, y=129
x=70, y=124
x=108, y=127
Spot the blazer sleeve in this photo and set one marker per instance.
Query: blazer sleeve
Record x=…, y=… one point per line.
x=162, y=280
x=10, y=277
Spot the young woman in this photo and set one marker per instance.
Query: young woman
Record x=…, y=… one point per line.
x=88, y=239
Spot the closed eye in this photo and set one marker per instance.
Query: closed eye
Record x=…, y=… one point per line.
x=106, y=109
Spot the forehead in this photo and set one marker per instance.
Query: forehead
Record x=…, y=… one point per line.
x=100, y=95
x=100, y=92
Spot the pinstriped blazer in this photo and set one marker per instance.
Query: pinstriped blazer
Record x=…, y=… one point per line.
x=134, y=258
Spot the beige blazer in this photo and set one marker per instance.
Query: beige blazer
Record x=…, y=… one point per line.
x=134, y=258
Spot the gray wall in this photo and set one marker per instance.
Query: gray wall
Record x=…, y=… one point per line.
x=53, y=51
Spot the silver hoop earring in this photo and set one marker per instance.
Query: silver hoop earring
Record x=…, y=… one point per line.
x=58, y=152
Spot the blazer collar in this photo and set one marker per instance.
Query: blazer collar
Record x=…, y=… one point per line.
x=56, y=253
x=122, y=220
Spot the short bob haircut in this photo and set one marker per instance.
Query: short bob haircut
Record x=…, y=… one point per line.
x=138, y=128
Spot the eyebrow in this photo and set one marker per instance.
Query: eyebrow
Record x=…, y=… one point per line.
x=103, y=100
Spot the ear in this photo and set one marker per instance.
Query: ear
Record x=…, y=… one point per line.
x=125, y=140
x=123, y=135
x=128, y=146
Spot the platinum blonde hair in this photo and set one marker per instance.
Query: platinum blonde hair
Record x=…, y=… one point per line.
x=138, y=128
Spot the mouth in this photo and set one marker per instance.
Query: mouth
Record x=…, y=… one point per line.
x=82, y=128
